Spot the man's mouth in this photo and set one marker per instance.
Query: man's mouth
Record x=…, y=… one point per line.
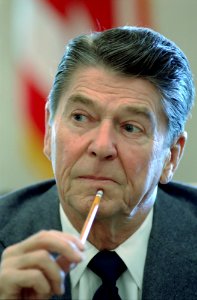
x=97, y=178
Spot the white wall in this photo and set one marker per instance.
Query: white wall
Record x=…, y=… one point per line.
x=177, y=20
x=13, y=172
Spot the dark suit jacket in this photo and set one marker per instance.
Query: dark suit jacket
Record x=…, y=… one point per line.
x=171, y=263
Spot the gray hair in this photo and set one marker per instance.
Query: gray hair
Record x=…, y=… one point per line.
x=136, y=52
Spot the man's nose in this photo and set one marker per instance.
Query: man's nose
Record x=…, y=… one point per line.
x=103, y=144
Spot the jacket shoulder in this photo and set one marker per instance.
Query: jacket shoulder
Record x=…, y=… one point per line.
x=170, y=269
x=26, y=192
x=27, y=210
x=180, y=191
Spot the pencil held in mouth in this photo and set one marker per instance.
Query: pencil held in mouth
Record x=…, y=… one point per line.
x=91, y=215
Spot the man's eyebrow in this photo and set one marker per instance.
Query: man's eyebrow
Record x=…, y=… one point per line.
x=141, y=111
x=133, y=110
x=80, y=99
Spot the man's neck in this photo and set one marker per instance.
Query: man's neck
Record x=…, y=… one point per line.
x=109, y=232
x=109, y=235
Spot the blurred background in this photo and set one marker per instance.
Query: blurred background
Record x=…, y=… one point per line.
x=33, y=34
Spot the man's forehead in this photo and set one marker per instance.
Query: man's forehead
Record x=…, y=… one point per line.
x=101, y=80
x=121, y=108
x=83, y=88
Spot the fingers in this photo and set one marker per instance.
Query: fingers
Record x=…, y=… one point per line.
x=52, y=240
x=29, y=269
x=40, y=261
x=31, y=280
x=66, y=245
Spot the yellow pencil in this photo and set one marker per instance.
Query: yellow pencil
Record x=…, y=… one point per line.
x=91, y=215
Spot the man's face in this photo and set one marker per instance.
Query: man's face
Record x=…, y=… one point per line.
x=108, y=133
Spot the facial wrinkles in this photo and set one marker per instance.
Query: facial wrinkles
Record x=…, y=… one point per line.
x=107, y=93
x=127, y=95
x=93, y=165
x=110, y=109
x=116, y=92
x=153, y=162
x=57, y=141
x=107, y=87
x=82, y=150
x=88, y=166
x=101, y=168
x=149, y=185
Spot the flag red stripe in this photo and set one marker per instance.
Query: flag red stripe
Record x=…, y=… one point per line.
x=60, y=6
x=143, y=13
x=35, y=105
x=101, y=12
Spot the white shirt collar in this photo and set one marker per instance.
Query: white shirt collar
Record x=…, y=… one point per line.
x=132, y=251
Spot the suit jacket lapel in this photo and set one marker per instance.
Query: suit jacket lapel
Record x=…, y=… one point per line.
x=28, y=217
x=168, y=268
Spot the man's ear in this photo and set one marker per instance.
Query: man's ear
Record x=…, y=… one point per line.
x=47, y=136
x=173, y=158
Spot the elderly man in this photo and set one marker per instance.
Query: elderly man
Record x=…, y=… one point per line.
x=115, y=121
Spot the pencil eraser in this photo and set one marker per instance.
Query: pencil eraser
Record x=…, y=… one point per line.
x=99, y=193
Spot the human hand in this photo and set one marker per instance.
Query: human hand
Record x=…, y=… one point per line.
x=29, y=271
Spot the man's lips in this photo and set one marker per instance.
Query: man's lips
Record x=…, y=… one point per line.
x=97, y=178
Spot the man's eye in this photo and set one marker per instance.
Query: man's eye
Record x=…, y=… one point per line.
x=79, y=117
x=131, y=128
